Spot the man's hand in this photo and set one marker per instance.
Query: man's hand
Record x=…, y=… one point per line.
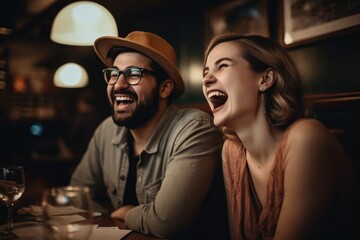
x=120, y=213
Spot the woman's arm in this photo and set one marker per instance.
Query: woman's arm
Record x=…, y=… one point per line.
x=309, y=181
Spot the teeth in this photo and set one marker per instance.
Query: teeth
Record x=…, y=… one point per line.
x=123, y=98
x=216, y=93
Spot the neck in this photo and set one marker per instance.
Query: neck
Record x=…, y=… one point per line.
x=260, y=140
x=142, y=134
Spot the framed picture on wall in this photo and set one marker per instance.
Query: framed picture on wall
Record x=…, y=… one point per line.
x=307, y=20
x=241, y=16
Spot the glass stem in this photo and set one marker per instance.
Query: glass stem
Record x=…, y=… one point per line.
x=9, y=226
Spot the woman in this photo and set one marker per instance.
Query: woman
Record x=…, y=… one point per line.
x=286, y=175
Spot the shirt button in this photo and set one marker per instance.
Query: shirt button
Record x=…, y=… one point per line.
x=122, y=178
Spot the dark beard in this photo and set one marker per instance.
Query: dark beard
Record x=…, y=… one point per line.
x=144, y=111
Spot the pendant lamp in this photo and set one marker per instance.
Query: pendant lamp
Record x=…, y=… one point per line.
x=81, y=23
x=71, y=75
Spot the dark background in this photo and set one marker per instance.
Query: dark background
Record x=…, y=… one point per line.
x=330, y=66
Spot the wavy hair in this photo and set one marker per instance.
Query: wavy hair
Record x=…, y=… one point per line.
x=284, y=102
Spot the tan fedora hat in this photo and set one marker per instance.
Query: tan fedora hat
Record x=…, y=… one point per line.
x=149, y=44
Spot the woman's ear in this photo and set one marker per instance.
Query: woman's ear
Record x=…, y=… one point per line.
x=268, y=79
x=166, y=88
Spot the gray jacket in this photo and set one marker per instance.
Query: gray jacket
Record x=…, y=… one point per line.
x=174, y=174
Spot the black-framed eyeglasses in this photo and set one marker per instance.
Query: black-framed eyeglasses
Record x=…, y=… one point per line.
x=132, y=75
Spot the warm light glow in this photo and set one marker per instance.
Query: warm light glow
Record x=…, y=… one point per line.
x=195, y=73
x=81, y=23
x=288, y=39
x=71, y=75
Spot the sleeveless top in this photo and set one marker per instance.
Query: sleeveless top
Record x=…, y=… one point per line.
x=247, y=218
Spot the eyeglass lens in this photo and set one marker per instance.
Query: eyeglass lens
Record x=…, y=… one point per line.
x=132, y=75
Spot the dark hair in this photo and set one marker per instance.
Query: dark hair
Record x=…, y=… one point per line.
x=284, y=102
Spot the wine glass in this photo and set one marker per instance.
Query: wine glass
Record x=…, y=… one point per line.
x=12, y=186
x=67, y=213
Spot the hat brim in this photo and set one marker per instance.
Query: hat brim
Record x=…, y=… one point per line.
x=102, y=46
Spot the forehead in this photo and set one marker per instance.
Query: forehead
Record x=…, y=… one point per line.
x=226, y=49
x=132, y=59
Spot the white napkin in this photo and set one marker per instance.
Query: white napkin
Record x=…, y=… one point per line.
x=108, y=233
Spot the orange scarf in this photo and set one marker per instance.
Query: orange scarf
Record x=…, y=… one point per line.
x=248, y=219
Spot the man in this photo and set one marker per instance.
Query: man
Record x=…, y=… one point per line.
x=158, y=164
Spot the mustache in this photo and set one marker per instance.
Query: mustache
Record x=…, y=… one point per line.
x=124, y=92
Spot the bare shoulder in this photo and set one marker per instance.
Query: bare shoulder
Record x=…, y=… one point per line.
x=310, y=142
x=310, y=133
x=318, y=180
x=307, y=129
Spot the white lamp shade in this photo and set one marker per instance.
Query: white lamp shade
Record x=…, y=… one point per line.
x=71, y=75
x=81, y=23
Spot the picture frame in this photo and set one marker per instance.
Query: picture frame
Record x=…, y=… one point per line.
x=240, y=16
x=306, y=21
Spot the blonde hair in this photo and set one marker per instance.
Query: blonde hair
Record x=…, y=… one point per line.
x=284, y=102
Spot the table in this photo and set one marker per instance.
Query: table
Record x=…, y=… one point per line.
x=32, y=195
x=108, y=222
x=102, y=221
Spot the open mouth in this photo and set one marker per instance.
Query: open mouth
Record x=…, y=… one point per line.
x=124, y=100
x=217, y=98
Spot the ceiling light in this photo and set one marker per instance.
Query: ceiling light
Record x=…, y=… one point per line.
x=81, y=23
x=71, y=75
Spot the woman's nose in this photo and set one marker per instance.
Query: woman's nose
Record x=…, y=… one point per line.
x=208, y=80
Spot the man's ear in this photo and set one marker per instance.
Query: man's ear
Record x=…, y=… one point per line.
x=166, y=88
x=268, y=79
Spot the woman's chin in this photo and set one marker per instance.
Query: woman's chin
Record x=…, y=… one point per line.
x=219, y=116
x=218, y=122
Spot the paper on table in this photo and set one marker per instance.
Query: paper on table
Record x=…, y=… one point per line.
x=36, y=210
x=34, y=231
x=29, y=230
x=108, y=233
x=67, y=219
